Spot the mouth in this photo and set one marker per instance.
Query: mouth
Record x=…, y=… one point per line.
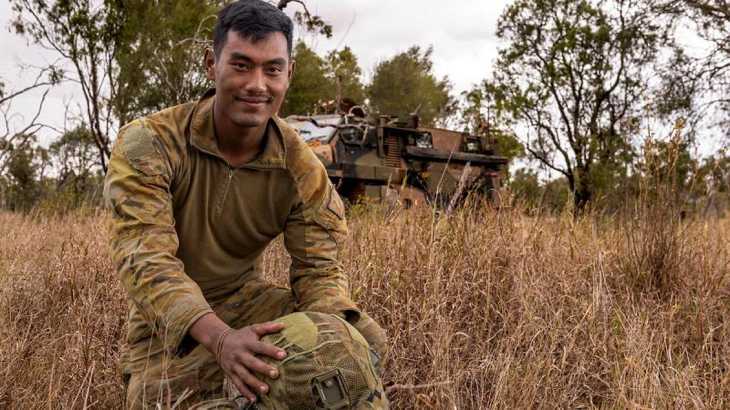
x=254, y=102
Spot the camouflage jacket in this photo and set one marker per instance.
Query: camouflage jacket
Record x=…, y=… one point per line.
x=188, y=229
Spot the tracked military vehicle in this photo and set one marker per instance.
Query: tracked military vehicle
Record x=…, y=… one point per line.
x=395, y=158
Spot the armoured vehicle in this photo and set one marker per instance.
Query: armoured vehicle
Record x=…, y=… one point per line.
x=396, y=158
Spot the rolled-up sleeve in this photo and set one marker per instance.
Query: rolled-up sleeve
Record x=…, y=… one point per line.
x=143, y=240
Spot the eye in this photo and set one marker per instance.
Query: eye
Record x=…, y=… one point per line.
x=274, y=70
x=240, y=66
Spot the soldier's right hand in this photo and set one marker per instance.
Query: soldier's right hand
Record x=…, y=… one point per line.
x=237, y=357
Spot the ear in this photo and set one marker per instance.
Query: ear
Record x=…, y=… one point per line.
x=292, y=67
x=209, y=61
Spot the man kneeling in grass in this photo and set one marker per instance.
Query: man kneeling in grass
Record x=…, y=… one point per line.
x=198, y=191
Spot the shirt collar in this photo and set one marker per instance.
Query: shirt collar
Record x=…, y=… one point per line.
x=202, y=137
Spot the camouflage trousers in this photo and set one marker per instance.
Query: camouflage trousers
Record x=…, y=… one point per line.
x=195, y=380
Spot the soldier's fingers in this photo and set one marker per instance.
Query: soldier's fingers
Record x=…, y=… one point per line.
x=254, y=364
x=243, y=389
x=251, y=381
x=266, y=328
x=267, y=349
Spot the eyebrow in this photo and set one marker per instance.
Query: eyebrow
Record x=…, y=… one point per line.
x=240, y=56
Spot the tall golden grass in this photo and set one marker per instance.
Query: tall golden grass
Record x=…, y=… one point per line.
x=484, y=308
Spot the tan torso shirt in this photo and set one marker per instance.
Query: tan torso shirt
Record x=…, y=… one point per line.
x=189, y=229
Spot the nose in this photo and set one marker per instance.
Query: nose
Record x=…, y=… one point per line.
x=257, y=82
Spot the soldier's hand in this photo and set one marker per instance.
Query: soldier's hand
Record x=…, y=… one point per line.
x=238, y=360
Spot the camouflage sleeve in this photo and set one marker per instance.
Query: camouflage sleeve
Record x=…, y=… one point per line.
x=314, y=233
x=143, y=240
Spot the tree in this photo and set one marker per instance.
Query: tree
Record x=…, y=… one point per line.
x=406, y=82
x=341, y=67
x=309, y=85
x=551, y=195
x=309, y=22
x=25, y=173
x=159, y=55
x=85, y=35
x=17, y=131
x=315, y=80
x=75, y=160
x=706, y=76
x=714, y=183
x=573, y=79
x=475, y=110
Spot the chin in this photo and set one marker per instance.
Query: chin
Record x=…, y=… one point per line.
x=251, y=121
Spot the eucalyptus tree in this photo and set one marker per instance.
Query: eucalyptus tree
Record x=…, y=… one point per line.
x=575, y=80
x=406, y=82
x=83, y=35
x=701, y=76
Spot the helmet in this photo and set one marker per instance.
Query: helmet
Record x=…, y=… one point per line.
x=329, y=365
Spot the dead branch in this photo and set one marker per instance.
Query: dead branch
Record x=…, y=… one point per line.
x=19, y=137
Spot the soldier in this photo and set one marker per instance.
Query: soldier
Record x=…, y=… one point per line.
x=198, y=191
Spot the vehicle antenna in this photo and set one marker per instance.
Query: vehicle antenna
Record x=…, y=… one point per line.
x=338, y=97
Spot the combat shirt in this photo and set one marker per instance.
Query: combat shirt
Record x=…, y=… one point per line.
x=189, y=229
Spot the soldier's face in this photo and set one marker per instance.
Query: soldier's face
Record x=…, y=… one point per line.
x=251, y=79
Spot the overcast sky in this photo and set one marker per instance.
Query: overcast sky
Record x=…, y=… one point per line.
x=462, y=35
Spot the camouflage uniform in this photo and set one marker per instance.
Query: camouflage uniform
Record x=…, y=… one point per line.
x=187, y=238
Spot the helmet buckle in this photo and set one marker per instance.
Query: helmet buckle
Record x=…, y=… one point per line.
x=329, y=391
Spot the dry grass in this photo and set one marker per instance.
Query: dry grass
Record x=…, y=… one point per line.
x=484, y=309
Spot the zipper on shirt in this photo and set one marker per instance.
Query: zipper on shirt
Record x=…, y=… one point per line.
x=224, y=192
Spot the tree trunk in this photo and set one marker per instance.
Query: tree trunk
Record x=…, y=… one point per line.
x=582, y=191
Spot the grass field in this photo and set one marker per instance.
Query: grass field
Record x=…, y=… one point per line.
x=484, y=309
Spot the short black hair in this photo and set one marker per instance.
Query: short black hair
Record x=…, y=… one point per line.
x=251, y=18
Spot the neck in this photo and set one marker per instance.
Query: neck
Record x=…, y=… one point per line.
x=237, y=144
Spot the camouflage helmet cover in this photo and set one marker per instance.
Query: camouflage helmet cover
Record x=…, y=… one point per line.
x=329, y=365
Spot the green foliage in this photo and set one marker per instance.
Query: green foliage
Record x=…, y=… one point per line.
x=572, y=80
x=315, y=80
x=702, y=79
x=23, y=178
x=85, y=37
x=713, y=187
x=406, y=82
x=312, y=23
x=680, y=89
x=342, y=66
x=552, y=195
x=475, y=113
x=73, y=155
x=399, y=86
x=160, y=54
x=309, y=85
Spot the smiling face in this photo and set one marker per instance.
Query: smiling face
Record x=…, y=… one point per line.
x=251, y=79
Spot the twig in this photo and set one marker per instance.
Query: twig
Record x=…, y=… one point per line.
x=416, y=386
